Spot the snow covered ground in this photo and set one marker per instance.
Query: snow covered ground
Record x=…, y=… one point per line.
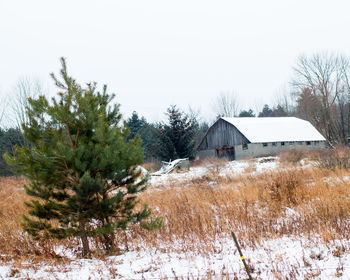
x=287, y=257
x=258, y=165
x=282, y=258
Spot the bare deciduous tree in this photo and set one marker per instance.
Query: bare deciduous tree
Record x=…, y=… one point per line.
x=3, y=108
x=226, y=105
x=23, y=89
x=323, y=77
x=285, y=100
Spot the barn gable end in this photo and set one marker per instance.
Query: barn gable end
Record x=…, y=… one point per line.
x=222, y=134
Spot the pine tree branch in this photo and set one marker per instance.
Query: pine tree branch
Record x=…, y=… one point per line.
x=77, y=137
x=73, y=146
x=69, y=136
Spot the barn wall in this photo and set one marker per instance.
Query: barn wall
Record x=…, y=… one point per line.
x=206, y=153
x=257, y=149
x=222, y=134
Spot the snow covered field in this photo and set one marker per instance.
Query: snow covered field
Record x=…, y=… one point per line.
x=286, y=257
x=282, y=258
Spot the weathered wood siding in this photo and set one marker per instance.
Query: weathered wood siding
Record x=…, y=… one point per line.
x=222, y=134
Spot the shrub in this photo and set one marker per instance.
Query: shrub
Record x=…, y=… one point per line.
x=282, y=187
x=267, y=159
x=334, y=158
x=292, y=155
x=215, y=165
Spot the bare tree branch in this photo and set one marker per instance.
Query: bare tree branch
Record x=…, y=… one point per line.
x=322, y=86
x=3, y=110
x=24, y=88
x=286, y=99
x=226, y=105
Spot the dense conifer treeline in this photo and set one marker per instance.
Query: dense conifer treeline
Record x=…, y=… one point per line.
x=178, y=137
x=319, y=93
x=8, y=139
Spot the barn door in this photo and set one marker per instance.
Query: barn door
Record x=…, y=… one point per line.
x=226, y=152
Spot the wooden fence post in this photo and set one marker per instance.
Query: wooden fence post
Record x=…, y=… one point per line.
x=240, y=253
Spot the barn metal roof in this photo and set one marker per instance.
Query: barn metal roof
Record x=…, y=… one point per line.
x=276, y=129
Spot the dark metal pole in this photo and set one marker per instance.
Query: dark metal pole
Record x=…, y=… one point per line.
x=240, y=253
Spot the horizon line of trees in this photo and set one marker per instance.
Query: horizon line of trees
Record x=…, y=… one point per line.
x=320, y=93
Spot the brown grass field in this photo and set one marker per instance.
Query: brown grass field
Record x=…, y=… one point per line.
x=289, y=201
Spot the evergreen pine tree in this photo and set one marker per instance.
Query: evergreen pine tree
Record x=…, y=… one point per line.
x=246, y=114
x=135, y=124
x=8, y=139
x=279, y=111
x=148, y=133
x=202, y=129
x=83, y=175
x=266, y=112
x=177, y=138
x=149, y=136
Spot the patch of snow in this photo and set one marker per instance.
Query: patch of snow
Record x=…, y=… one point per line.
x=194, y=172
x=264, y=164
x=236, y=167
x=336, y=180
x=143, y=170
x=291, y=213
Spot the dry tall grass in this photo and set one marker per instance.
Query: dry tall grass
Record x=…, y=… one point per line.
x=14, y=243
x=198, y=212
x=334, y=158
x=293, y=155
x=270, y=205
x=12, y=240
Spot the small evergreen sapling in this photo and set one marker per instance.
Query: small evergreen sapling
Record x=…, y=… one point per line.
x=82, y=171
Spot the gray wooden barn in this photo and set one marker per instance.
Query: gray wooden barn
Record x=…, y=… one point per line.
x=238, y=138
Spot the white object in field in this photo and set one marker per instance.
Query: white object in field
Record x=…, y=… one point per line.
x=167, y=167
x=143, y=170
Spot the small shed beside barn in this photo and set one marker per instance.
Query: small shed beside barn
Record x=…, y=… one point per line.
x=237, y=138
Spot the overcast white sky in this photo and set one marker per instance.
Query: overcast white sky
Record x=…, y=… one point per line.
x=153, y=53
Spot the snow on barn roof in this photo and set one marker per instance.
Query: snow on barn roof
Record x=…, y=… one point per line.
x=260, y=130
